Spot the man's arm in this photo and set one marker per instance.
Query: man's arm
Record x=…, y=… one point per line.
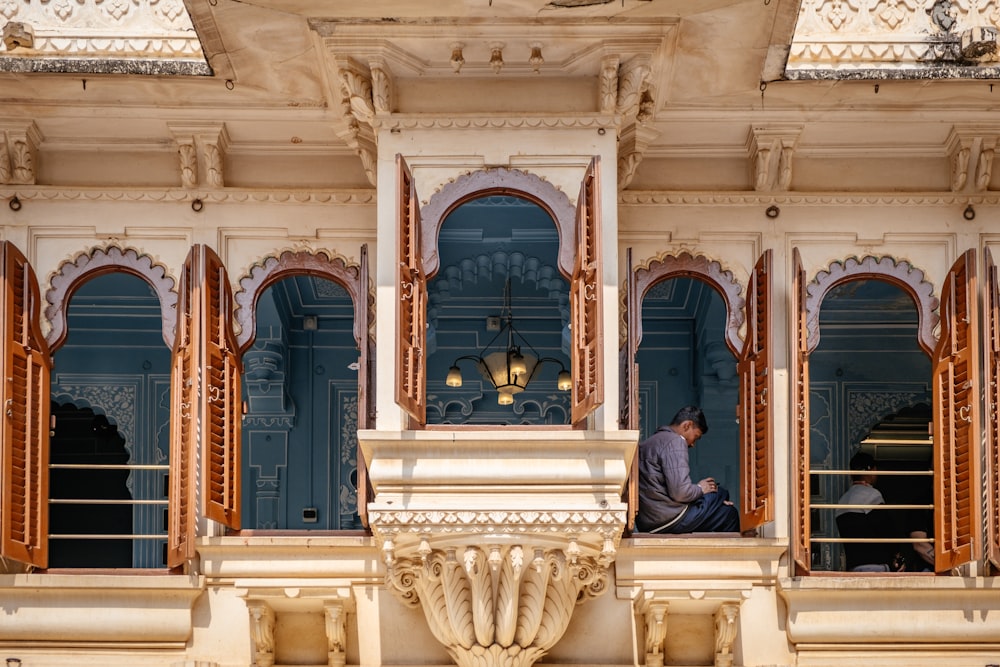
x=677, y=471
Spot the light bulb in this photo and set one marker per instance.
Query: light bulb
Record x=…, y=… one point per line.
x=454, y=378
x=503, y=398
x=565, y=381
x=517, y=365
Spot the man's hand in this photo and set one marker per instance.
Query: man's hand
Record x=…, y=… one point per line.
x=709, y=485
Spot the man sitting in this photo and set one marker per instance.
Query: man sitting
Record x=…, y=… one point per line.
x=669, y=502
x=864, y=522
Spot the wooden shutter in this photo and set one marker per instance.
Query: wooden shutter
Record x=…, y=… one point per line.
x=956, y=419
x=992, y=347
x=24, y=439
x=801, y=524
x=585, y=300
x=754, y=368
x=366, y=383
x=220, y=401
x=629, y=386
x=183, y=420
x=411, y=317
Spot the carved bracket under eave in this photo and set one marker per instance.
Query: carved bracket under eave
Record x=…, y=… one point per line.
x=653, y=608
x=500, y=605
x=971, y=149
x=19, y=142
x=265, y=604
x=365, y=90
x=770, y=150
x=201, y=152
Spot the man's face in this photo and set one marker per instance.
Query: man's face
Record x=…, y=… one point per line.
x=689, y=431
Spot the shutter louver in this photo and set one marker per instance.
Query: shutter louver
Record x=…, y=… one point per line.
x=992, y=347
x=585, y=300
x=411, y=322
x=24, y=443
x=220, y=402
x=183, y=421
x=956, y=419
x=754, y=368
x=801, y=524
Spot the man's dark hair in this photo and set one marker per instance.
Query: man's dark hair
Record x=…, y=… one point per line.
x=862, y=461
x=692, y=413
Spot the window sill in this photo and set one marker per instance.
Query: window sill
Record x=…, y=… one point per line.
x=137, y=610
x=898, y=608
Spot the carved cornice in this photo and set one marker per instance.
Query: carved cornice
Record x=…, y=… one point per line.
x=661, y=198
x=399, y=530
x=500, y=605
x=493, y=122
x=90, y=34
x=834, y=39
x=226, y=196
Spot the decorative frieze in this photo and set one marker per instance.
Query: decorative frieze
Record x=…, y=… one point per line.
x=168, y=195
x=93, y=33
x=946, y=38
x=502, y=605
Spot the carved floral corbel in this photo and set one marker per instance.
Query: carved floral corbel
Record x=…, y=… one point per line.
x=608, y=101
x=632, y=82
x=656, y=632
x=502, y=605
x=19, y=144
x=335, y=615
x=262, y=633
x=201, y=153
x=725, y=633
x=771, y=150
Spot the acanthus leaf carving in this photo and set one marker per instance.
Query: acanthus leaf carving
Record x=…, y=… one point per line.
x=471, y=604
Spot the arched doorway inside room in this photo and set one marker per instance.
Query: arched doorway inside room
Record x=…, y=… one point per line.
x=867, y=366
x=300, y=385
x=498, y=295
x=683, y=359
x=110, y=434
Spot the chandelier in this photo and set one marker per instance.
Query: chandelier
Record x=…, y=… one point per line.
x=509, y=368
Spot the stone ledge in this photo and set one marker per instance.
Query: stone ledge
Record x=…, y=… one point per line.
x=898, y=609
x=136, y=610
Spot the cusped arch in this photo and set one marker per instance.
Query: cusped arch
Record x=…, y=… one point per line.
x=296, y=263
x=102, y=261
x=900, y=273
x=708, y=271
x=498, y=182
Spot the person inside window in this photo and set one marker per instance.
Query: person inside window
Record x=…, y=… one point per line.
x=921, y=527
x=669, y=502
x=859, y=520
